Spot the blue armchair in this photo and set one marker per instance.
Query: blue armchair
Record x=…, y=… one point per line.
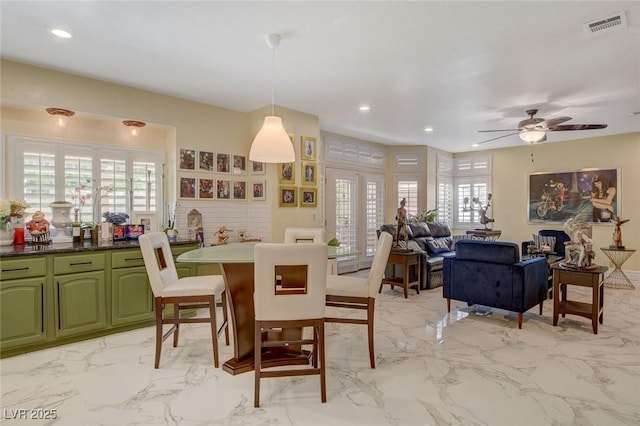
x=490, y=273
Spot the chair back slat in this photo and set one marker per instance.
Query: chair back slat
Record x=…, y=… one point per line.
x=304, y=235
x=158, y=260
x=290, y=281
x=379, y=263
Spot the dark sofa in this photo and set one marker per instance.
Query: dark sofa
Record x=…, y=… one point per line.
x=434, y=241
x=490, y=273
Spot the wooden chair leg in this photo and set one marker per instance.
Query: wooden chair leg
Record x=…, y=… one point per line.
x=314, y=353
x=225, y=318
x=158, y=303
x=541, y=307
x=323, y=377
x=370, y=317
x=257, y=361
x=214, y=329
x=520, y=314
x=448, y=305
x=176, y=316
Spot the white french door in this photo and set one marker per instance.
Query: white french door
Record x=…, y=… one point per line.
x=354, y=212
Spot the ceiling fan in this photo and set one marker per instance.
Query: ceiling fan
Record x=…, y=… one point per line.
x=533, y=130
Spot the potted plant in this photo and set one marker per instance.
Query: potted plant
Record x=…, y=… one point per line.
x=426, y=215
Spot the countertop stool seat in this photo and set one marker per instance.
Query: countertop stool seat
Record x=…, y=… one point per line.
x=182, y=293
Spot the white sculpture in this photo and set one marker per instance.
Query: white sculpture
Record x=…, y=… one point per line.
x=578, y=251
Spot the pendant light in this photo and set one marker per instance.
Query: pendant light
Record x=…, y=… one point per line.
x=272, y=143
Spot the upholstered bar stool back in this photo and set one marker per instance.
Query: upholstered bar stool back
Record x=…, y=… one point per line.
x=182, y=293
x=290, y=282
x=360, y=293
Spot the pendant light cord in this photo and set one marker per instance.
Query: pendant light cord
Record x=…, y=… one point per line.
x=273, y=80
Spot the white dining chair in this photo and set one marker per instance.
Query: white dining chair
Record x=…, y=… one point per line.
x=304, y=235
x=289, y=292
x=360, y=293
x=183, y=293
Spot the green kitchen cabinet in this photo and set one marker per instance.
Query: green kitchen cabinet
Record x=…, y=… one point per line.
x=131, y=295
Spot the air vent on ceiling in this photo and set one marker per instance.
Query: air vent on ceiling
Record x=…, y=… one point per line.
x=605, y=25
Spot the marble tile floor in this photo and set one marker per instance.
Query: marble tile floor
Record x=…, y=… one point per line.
x=433, y=368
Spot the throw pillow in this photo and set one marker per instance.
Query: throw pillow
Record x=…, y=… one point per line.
x=438, y=246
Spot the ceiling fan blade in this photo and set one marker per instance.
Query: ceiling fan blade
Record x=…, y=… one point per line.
x=554, y=121
x=499, y=137
x=503, y=130
x=578, y=127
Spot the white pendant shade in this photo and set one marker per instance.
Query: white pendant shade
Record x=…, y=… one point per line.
x=532, y=136
x=272, y=143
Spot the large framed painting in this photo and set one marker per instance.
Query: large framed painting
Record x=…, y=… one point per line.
x=587, y=195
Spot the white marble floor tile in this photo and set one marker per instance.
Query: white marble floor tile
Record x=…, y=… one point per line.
x=433, y=368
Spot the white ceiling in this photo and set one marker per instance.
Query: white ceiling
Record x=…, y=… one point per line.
x=455, y=66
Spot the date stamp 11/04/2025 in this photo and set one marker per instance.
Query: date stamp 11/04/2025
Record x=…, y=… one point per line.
x=29, y=414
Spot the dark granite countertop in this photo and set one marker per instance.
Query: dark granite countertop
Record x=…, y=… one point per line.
x=38, y=249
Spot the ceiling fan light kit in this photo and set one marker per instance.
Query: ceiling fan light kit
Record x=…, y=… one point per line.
x=533, y=130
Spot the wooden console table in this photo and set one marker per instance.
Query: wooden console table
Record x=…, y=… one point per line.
x=485, y=234
x=405, y=259
x=593, y=278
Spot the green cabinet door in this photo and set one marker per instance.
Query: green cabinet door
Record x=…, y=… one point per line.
x=22, y=312
x=131, y=296
x=79, y=303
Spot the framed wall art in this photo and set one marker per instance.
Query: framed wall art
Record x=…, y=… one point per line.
x=187, y=187
x=205, y=188
x=258, y=190
x=239, y=190
x=288, y=196
x=308, y=148
x=187, y=159
x=587, y=195
x=148, y=220
x=258, y=167
x=206, y=162
x=309, y=173
x=223, y=163
x=308, y=197
x=287, y=173
x=239, y=165
x=223, y=189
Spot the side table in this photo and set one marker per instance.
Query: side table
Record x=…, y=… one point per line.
x=563, y=277
x=405, y=259
x=485, y=234
x=617, y=278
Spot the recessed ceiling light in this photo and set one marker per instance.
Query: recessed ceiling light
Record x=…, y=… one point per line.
x=475, y=145
x=428, y=129
x=364, y=108
x=61, y=33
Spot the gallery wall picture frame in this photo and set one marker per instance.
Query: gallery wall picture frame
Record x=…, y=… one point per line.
x=206, y=161
x=287, y=173
x=223, y=189
x=308, y=148
x=308, y=197
x=586, y=195
x=187, y=159
x=258, y=168
x=309, y=173
x=239, y=190
x=206, y=188
x=258, y=190
x=148, y=219
x=188, y=187
x=223, y=163
x=239, y=164
x=288, y=196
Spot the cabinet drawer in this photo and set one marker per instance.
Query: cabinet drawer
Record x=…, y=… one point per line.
x=78, y=263
x=178, y=250
x=126, y=259
x=23, y=267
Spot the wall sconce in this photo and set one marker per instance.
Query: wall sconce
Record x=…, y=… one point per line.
x=60, y=116
x=134, y=126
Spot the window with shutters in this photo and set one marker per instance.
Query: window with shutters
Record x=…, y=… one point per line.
x=472, y=179
x=49, y=170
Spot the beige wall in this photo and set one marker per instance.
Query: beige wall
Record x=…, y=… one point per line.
x=512, y=166
x=172, y=122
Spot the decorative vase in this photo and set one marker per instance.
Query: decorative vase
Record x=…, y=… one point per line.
x=6, y=234
x=61, y=215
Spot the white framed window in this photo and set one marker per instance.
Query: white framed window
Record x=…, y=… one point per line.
x=44, y=171
x=408, y=189
x=471, y=180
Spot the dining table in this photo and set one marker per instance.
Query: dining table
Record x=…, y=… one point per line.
x=236, y=263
